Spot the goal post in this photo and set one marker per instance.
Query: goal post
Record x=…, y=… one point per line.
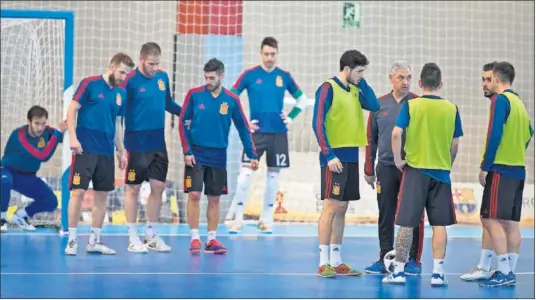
x=67, y=18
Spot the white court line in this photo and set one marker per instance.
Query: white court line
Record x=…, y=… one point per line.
x=238, y=235
x=201, y=274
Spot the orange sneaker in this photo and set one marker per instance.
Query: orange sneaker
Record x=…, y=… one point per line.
x=195, y=246
x=326, y=271
x=346, y=270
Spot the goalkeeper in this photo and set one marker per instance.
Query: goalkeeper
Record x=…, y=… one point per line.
x=266, y=85
x=433, y=128
x=339, y=127
x=26, y=148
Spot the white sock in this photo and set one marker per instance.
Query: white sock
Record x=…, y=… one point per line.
x=211, y=235
x=22, y=213
x=94, y=237
x=335, y=259
x=132, y=232
x=485, y=259
x=324, y=255
x=513, y=261
x=3, y=216
x=195, y=234
x=151, y=230
x=438, y=266
x=503, y=263
x=399, y=267
x=72, y=234
x=272, y=187
x=242, y=190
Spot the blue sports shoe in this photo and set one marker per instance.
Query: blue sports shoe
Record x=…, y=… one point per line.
x=413, y=268
x=499, y=279
x=376, y=268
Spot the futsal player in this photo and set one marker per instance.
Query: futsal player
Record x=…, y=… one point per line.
x=148, y=99
x=339, y=127
x=211, y=109
x=266, y=85
x=379, y=130
x=483, y=269
x=503, y=173
x=27, y=147
x=99, y=103
x=432, y=128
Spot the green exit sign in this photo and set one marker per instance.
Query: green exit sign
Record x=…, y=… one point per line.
x=351, y=14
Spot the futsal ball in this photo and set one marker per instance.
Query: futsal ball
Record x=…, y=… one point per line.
x=389, y=260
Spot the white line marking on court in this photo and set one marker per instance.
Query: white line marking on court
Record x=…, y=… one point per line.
x=201, y=274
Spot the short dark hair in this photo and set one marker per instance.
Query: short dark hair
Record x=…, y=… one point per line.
x=214, y=65
x=269, y=41
x=430, y=76
x=505, y=72
x=36, y=111
x=489, y=66
x=150, y=48
x=122, y=58
x=353, y=59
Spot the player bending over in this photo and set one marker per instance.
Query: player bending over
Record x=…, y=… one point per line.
x=483, y=269
x=379, y=132
x=503, y=173
x=266, y=85
x=211, y=109
x=26, y=148
x=148, y=99
x=339, y=127
x=99, y=102
x=433, y=127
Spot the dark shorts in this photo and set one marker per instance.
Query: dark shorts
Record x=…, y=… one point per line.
x=276, y=147
x=340, y=186
x=143, y=166
x=95, y=168
x=419, y=191
x=213, y=179
x=502, y=198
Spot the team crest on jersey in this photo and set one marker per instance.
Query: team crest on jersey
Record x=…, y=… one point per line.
x=76, y=179
x=118, y=99
x=131, y=176
x=224, y=107
x=336, y=189
x=41, y=143
x=279, y=81
x=161, y=85
x=188, y=182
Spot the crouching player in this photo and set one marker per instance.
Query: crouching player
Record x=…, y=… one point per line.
x=27, y=147
x=211, y=108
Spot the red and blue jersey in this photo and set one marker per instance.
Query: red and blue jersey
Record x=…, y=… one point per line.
x=207, y=135
x=24, y=153
x=148, y=99
x=100, y=105
x=266, y=94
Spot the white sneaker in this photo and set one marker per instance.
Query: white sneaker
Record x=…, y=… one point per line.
x=156, y=243
x=476, y=274
x=235, y=228
x=135, y=245
x=438, y=280
x=398, y=278
x=264, y=227
x=22, y=222
x=72, y=248
x=100, y=248
x=3, y=225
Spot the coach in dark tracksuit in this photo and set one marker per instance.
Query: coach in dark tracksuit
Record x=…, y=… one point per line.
x=379, y=128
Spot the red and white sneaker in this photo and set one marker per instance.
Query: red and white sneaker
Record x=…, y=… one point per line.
x=215, y=247
x=195, y=246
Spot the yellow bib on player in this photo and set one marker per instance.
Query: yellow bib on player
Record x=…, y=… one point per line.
x=430, y=133
x=345, y=124
x=516, y=133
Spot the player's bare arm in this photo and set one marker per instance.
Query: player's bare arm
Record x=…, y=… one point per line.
x=71, y=127
x=119, y=143
x=396, y=141
x=454, y=149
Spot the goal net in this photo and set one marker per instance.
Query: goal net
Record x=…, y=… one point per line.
x=459, y=36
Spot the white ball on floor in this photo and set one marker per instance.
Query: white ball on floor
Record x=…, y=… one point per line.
x=389, y=260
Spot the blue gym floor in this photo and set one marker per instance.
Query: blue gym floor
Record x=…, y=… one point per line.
x=281, y=265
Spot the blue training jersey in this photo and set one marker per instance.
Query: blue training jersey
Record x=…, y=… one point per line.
x=148, y=99
x=266, y=94
x=100, y=107
x=24, y=153
x=207, y=136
